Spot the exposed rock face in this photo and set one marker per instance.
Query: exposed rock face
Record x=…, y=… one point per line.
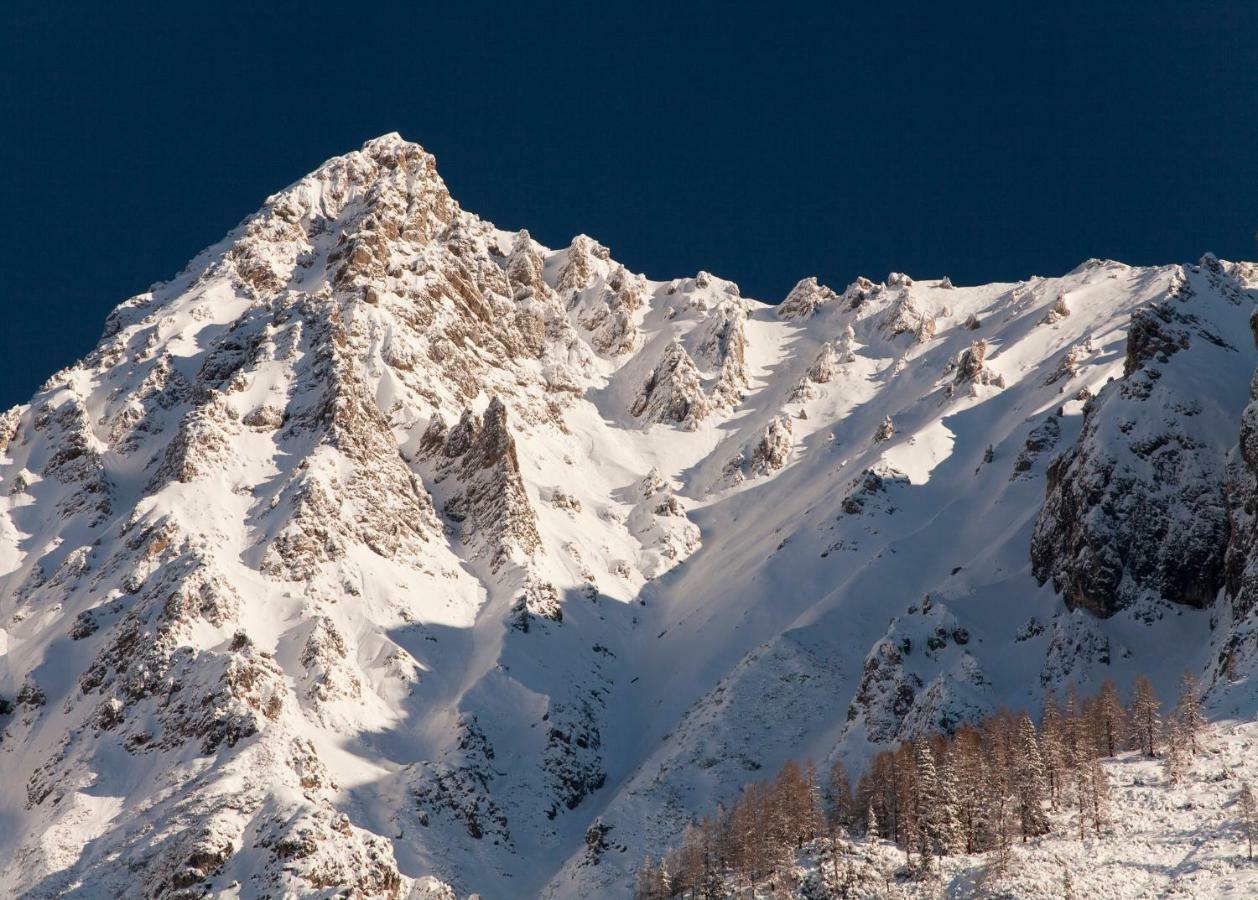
x=805, y=298
x=1239, y=654
x=861, y=290
x=492, y=506
x=872, y=491
x=9, y=422
x=1058, y=311
x=1042, y=439
x=893, y=702
x=660, y=524
x=674, y=391
x=906, y=316
x=1137, y=509
x=773, y=449
x=828, y=360
x=766, y=455
x=607, y=310
x=723, y=346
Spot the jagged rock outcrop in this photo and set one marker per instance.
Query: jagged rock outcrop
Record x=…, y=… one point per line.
x=894, y=702
x=1042, y=439
x=491, y=504
x=764, y=456
x=805, y=298
x=905, y=316
x=660, y=524
x=970, y=371
x=861, y=290
x=723, y=345
x=1238, y=654
x=873, y=490
x=1058, y=311
x=1136, y=508
x=673, y=393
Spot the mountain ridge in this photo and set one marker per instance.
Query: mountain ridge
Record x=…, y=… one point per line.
x=405, y=547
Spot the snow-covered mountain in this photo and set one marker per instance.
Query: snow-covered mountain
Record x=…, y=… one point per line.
x=382, y=546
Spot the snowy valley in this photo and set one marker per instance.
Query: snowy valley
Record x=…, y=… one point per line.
x=385, y=551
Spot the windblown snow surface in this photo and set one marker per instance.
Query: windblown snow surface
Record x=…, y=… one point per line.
x=385, y=550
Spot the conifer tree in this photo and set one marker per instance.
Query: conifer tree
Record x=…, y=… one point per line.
x=1188, y=711
x=1108, y=719
x=871, y=824
x=1175, y=759
x=950, y=834
x=1145, y=721
x=967, y=762
x=1029, y=782
x=651, y=881
x=925, y=789
x=1052, y=747
x=688, y=863
x=1248, y=806
x=1097, y=794
x=1081, y=798
x=839, y=799
x=998, y=784
x=1072, y=729
x=902, y=822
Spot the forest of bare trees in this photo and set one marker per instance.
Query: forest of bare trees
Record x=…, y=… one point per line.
x=982, y=788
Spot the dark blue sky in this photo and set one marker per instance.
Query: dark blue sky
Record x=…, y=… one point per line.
x=984, y=141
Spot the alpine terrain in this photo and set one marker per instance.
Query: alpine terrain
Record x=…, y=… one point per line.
x=383, y=551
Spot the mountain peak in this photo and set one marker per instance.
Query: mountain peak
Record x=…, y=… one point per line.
x=240, y=545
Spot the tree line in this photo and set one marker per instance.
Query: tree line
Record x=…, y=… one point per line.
x=982, y=788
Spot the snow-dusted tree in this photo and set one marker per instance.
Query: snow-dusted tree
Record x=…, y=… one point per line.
x=1248, y=807
x=1080, y=777
x=1067, y=883
x=872, y=831
x=1145, y=722
x=1188, y=714
x=838, y=796
x=794, y=806
x=906, y=811
x=1094, y=796
x=651, y=881
x=1052, y=747
x=686, y=862
x=749, y=836
x=968, y=762
x=876, y=790
x=1029, y=782
x=1107, y=719
x=1002, y=835
x=1175, y=753
x=696, y=866
x=1074, y=729
x=998, y=735
x=947, y=818
x=925, y=792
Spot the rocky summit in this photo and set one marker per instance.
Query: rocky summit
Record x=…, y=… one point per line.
x=385, y=551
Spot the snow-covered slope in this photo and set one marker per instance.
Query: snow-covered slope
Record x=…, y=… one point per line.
x=1158, y=837
x=382, y=544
